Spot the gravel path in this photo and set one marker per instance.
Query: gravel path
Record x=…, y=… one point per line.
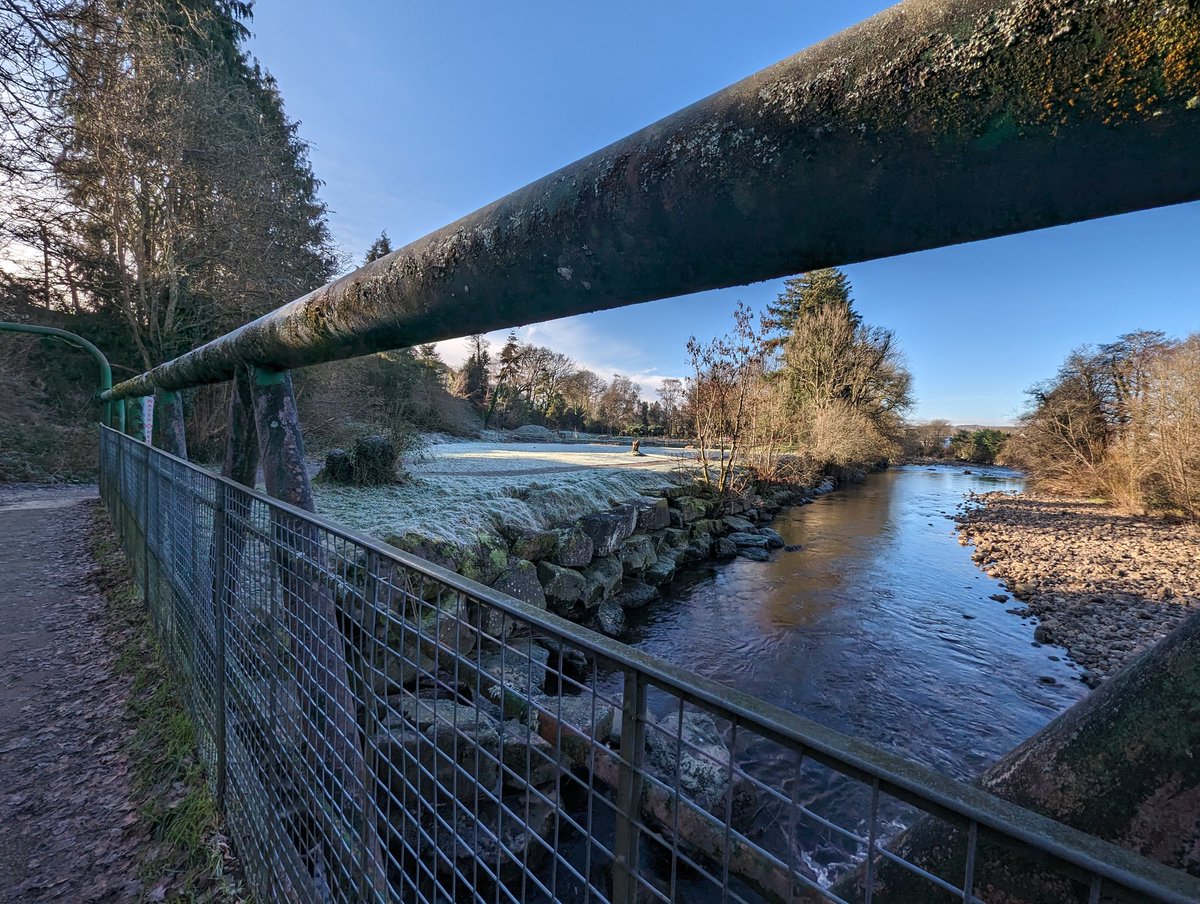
x=1103, y=584
x=70, y=830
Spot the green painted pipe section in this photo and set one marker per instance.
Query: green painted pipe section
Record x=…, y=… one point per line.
x=78, y=341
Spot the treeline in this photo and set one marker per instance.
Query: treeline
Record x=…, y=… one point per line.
x=155, y=193
x=1121, y=421
x=524, y=383
x=938, y=439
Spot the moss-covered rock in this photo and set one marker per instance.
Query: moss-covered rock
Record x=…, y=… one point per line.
x=534, y=545
x=1120, y=764
x=690, y=508
x=484, y=560
x=520, y=580
x=574, y=548
x=600, y=579
x=558, y=583
x=636, y=554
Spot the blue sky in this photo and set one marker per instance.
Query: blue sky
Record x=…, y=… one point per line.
x=418, y=113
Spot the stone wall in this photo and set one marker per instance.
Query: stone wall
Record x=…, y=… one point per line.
x=595, y=569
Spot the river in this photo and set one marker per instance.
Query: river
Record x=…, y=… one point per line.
x=879, y=625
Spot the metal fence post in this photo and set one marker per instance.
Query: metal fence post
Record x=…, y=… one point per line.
x=627, y=844
x=373, y=885
x=145, y=484
x=218, y=607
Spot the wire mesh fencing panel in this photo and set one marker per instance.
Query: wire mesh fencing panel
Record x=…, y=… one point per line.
x=379, y=729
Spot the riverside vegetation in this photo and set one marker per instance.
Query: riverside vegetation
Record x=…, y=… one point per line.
x=1105, y=551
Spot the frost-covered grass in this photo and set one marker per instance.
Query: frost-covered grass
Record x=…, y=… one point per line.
x=459, y=490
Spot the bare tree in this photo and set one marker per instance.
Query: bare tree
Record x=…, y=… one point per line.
x=1169, y=413
x=840, y=371
x=670, y=394
x=726, y=373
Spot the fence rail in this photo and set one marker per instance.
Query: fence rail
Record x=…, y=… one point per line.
x=377, y=728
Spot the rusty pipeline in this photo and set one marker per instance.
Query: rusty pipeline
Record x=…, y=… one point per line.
x=932, y=123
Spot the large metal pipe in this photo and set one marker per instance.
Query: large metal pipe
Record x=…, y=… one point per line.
x=932, y=123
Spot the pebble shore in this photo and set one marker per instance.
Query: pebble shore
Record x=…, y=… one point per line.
x=1103, y=584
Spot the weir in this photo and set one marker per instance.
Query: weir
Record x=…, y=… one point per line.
x=378, y=728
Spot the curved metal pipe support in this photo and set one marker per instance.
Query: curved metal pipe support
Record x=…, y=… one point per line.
x=103, y=393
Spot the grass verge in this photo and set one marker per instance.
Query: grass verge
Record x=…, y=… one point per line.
x=190, y=860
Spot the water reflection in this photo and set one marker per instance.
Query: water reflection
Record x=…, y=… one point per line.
x=879, y=626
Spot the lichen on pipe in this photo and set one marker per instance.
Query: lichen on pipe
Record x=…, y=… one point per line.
x=932, y=123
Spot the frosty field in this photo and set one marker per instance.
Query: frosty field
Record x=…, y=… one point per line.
x=458, y=490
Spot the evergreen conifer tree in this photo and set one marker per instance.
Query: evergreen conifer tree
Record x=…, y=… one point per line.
x=381, y=247
x=803, y=295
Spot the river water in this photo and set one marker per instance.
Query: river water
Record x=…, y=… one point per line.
x=879, y=626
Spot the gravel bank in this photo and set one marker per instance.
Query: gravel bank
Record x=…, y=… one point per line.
x=1103, y=584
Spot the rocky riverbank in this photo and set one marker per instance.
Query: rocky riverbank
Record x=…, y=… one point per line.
x=595, y=568
x=1105, y=585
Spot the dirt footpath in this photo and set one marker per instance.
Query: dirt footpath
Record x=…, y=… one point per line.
x=70, y=830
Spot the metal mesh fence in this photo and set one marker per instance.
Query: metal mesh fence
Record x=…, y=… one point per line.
x=379, y=729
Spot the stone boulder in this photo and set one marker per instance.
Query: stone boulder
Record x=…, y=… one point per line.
x=725, y=549
x=773, y=537
x=485, y=560
x=652, y=514
x=607, y=530
x=600, y=579
x=575, y=548
x=699, y=549
x=637, y=553
x=421, y=737
x=676, y=537
x=527, y=757
x=736, y=524
x=610, y=618
x=754, y=553
x=402, y=666
x=661, y=571
x=533, y=545
x=702, y=761
x=491, y=835
x=565, y=660
x=520, y=580
x=690, y=508
x=439, y=552
x=573, y=724
x=635, y=595
x=742, y=539
x=511, y=676
x=564, y=585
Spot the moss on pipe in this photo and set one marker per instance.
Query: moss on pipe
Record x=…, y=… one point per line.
x=932, y=123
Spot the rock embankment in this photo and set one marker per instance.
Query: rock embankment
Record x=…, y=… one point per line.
x=1105, y=585
x=595, y=569
x=467, y=694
